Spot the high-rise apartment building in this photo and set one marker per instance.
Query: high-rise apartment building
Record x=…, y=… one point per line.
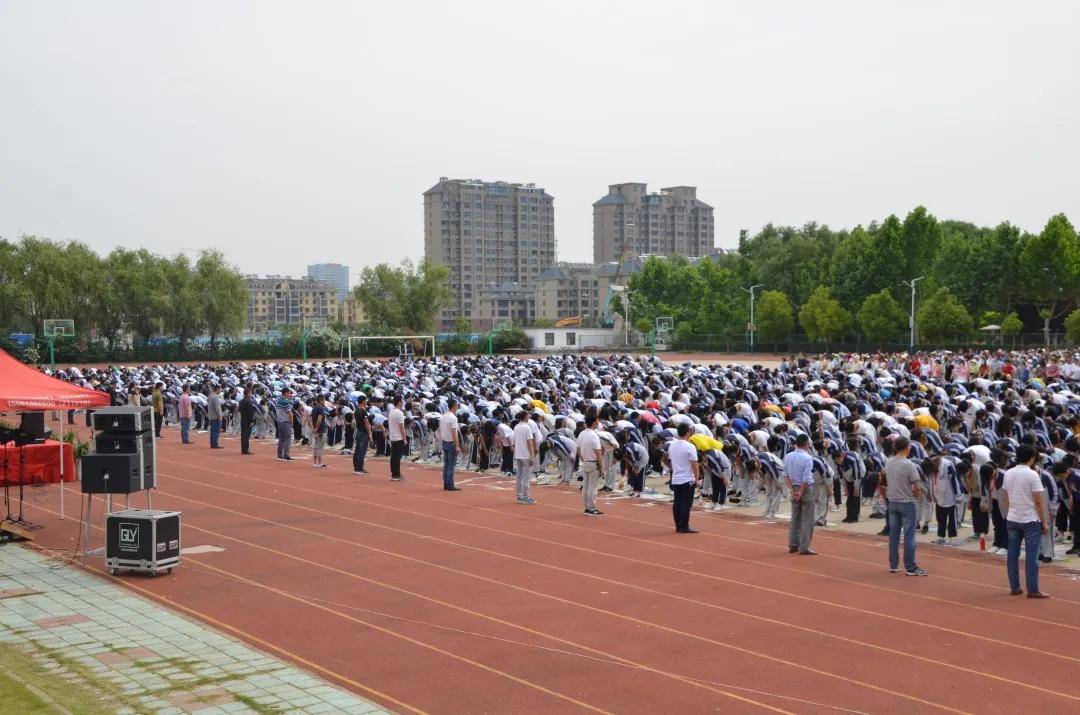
x=581, y=290
x=629, y=221
x=335, y=274
x=281, y=300
x=487, y=232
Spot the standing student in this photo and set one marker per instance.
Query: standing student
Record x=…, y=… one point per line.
x=799, y=473
x=157, y=401
x=213, y=413
x=504, y=437
x=681, y=456
x=524, y=456
x=183, y=411
x=247, y=420
x=361, y=435
x=902, y=484
x=319, y=431
x=283, y=416
x=1022, y=503
x=1072, y=496
x=592, y=458
x=450, y=436
x=945, y=492
x=396, y=432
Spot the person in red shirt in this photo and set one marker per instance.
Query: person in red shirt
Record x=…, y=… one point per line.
x=1007, y=369
x=914, y=366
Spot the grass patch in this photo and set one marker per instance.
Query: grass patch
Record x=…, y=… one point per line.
x=75, y=697
x=255, y=704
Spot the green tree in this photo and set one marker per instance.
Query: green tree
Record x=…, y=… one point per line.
x=881, y=317
x=978, y=265
x=823, y=318
x=943, y=317
x=774, y=316
x=1050, y=269
x=1072, y=327
x=222, y=293
x=403, y=299
x=922, y=235
x=185, y=316
x=142, y=293
x=1011, y=325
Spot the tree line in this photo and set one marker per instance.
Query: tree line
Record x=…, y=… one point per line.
x=127, y=293
x=832, y=285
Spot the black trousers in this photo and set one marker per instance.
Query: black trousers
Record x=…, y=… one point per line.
x=158, y=419
x=1001, y=532
x=838, y=492
x=1076, y=521
x=869, y=486
x=853, y=501
x=245, y=436
x=507, y=466
x=980, y=520
x=680, y=508
x=946, y=521
x=636, y=478
x=350, y=430
x=719, y=489
x=397, y=450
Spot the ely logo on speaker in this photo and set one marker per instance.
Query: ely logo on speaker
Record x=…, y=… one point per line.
x=129, y=537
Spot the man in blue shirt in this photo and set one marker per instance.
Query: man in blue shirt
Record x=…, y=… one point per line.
x=799, y=473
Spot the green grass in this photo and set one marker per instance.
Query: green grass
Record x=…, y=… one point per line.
x=16, y=697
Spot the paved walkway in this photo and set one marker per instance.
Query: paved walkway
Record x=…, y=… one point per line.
x=141, y=656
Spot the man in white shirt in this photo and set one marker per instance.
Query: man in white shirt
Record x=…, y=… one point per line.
x=524, y=456
x=685, y=472
x=396, y=427
x=591, y=455
x=1022, y=502
x=450, y=438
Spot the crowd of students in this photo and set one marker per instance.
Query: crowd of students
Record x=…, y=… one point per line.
x=599, y=422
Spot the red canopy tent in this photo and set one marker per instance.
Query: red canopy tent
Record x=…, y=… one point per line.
x=24, y=389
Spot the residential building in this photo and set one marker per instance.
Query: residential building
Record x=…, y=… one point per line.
x=335, y=274
x=508, y=303
x=352, y=311
x=630, y=221
x=282, y=300
x=570, y=290
x=487, y=232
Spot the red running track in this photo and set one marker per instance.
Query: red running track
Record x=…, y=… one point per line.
x=428, y=601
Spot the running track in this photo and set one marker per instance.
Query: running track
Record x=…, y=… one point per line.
x=466, y=602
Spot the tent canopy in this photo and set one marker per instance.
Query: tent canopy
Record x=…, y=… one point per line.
x=24, y=389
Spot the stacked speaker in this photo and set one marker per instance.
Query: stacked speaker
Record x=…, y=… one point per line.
x=124, y=458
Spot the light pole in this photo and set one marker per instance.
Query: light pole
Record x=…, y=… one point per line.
x=750, y=290
x=911, y=319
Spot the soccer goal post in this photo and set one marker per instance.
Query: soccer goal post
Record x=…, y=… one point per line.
x=407, y=346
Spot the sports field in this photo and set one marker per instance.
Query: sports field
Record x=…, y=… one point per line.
x=467, y=602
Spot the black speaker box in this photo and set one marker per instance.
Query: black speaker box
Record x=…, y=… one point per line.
x=116, y=473
x=123, y=419
x=33, y=424
x=127, y=443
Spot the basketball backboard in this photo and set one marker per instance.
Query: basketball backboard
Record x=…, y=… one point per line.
x=58, y=328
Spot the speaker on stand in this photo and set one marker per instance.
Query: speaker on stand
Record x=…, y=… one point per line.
x=124, y=461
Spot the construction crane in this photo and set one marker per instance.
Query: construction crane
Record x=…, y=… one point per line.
x=572, y=322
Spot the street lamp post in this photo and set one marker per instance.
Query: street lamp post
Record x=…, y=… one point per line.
x=911, y=318
x=753, y=328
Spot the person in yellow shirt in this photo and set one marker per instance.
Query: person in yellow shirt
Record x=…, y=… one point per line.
x=925, y=421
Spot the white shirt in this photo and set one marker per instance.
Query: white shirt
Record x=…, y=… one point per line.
x=505, y=435
x=588, y=444
x=681, y=453
x=1021, y=482
x=522, y=434
x=397, y=425
x=448, y=425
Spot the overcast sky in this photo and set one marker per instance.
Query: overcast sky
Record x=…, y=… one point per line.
x=293, y=132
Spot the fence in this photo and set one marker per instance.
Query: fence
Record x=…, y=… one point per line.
x=858, y=344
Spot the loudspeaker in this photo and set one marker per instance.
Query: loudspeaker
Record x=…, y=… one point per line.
x=141, y=443
x=123, y=419
x=116, y=473
x=33, y=424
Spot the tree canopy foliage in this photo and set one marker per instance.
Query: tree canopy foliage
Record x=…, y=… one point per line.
x=128, y=291
x=403, y=299
x=1026, y=279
